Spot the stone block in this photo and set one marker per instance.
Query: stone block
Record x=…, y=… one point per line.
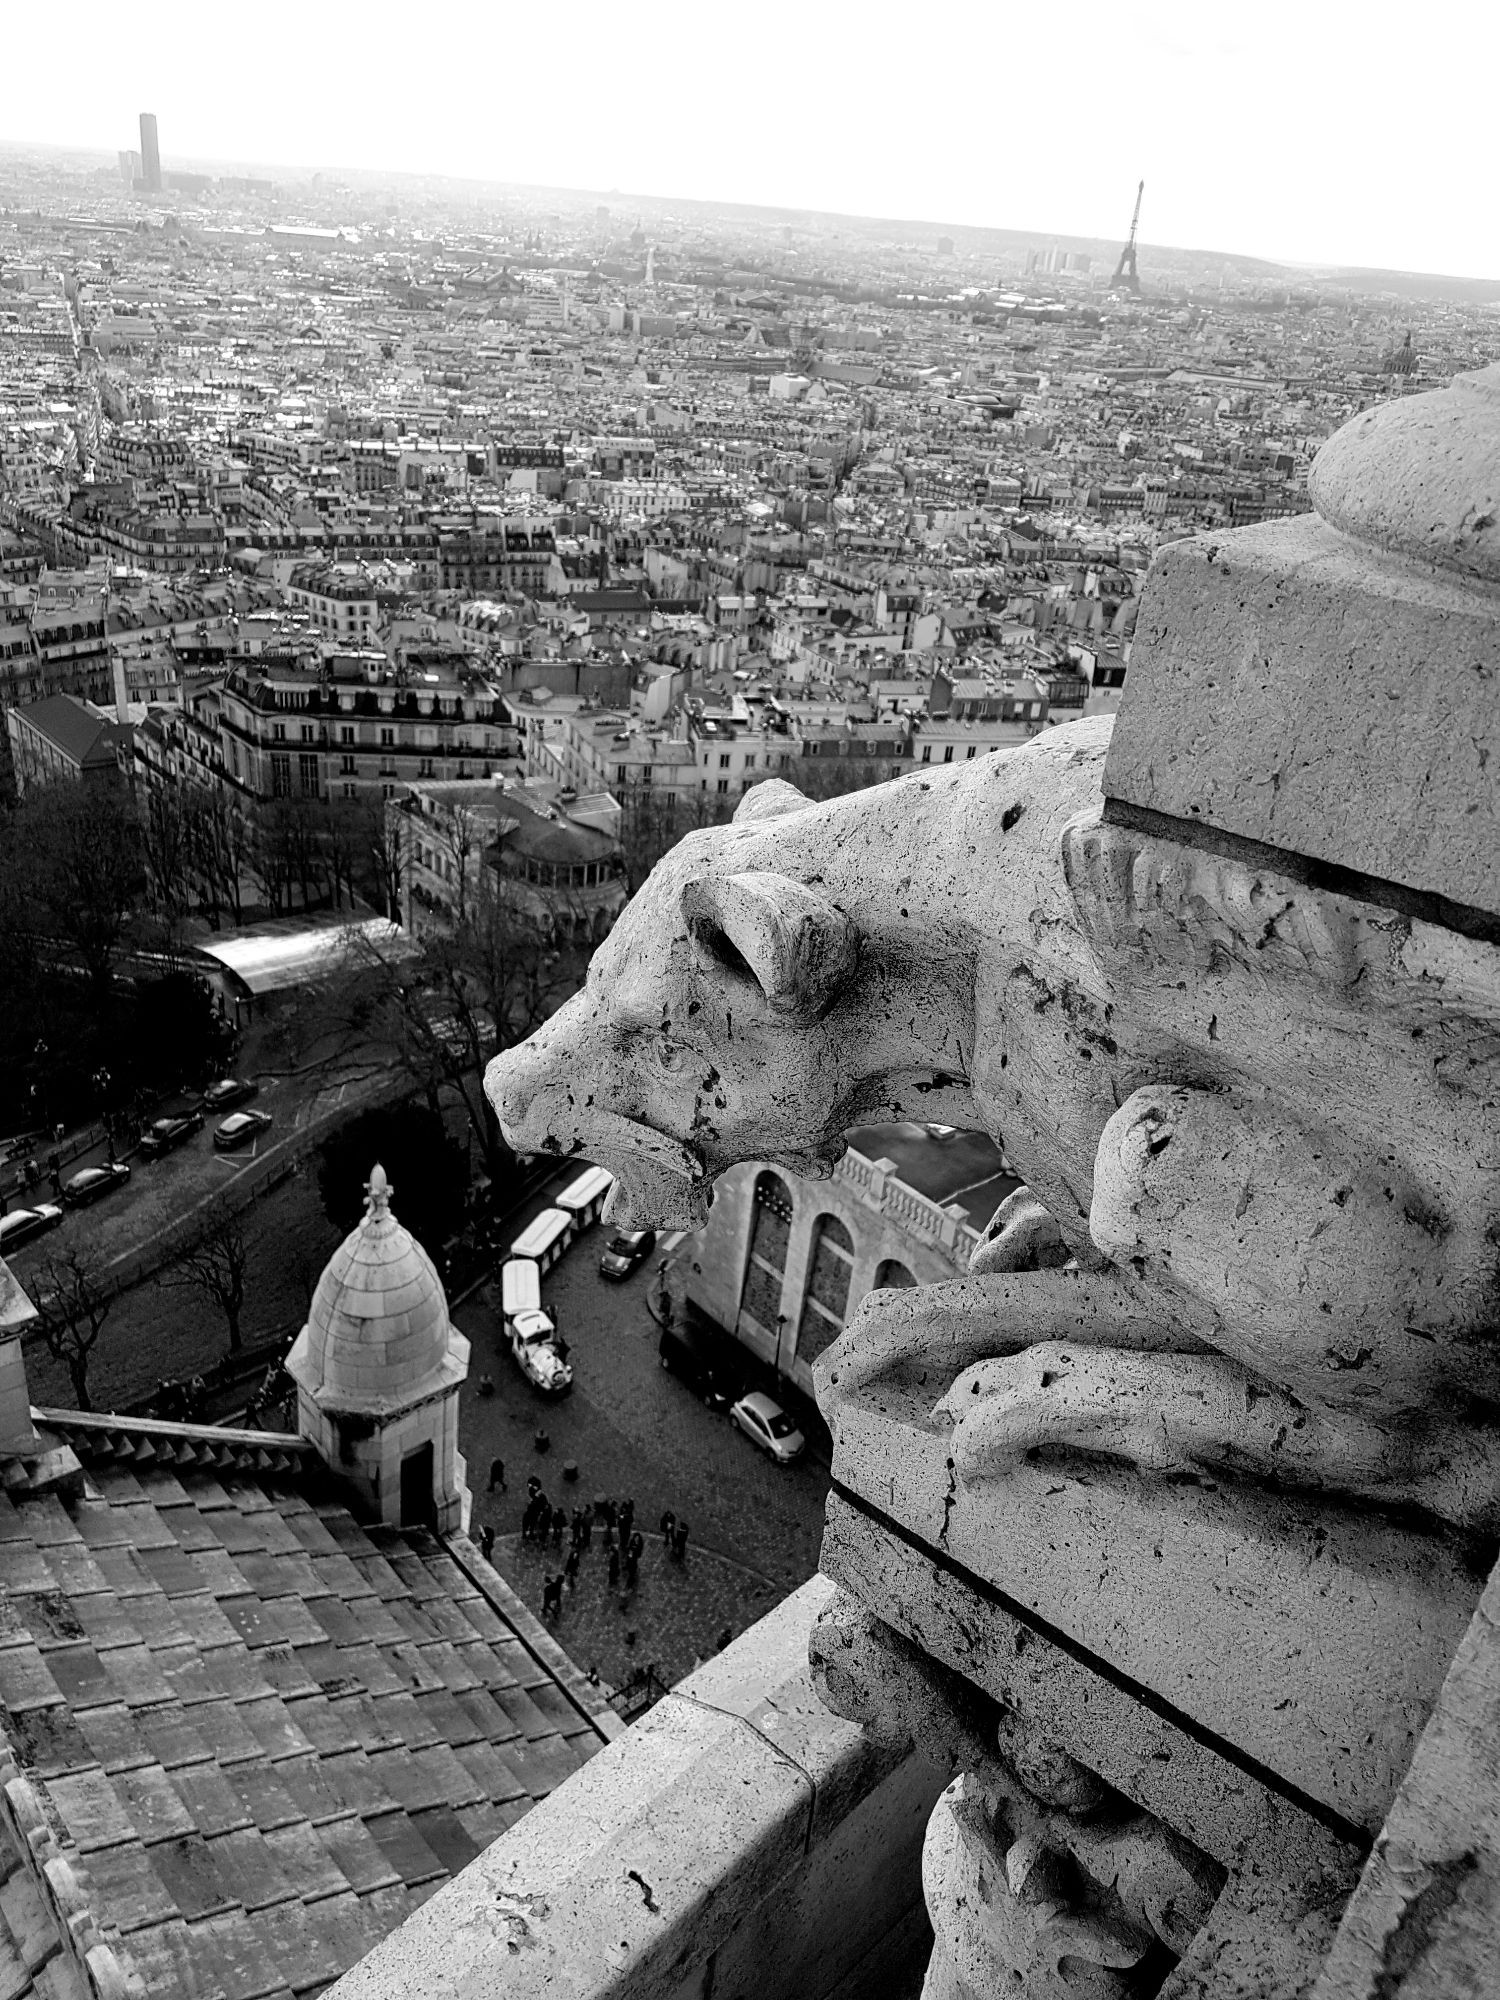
x=1313, y=1636
x=1292, y=687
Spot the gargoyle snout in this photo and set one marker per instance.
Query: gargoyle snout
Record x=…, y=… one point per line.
x=527, y=1087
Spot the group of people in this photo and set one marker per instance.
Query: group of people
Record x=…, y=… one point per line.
x=614, y=1520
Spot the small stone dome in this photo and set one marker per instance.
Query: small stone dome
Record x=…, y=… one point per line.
x=377, y=1332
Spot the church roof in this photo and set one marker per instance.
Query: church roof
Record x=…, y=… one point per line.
x=377, y=1334
x=260, y=1731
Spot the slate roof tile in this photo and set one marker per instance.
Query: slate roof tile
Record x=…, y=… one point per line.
x=363, y=1862
x=114, y=1741
x=446, y=1835
x=123, y=1880
x=228, y=1955
x=49, y=1741
x=268, y=1730
x=189, y=1876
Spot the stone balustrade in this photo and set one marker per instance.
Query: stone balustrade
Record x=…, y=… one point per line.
x=876, y=1184
x=739, y=1838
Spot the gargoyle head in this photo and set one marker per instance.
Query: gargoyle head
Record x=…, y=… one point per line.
x=701, y=1037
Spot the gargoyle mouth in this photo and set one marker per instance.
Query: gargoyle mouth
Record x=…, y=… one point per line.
x=660, y=1182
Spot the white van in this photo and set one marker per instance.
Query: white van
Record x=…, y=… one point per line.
x=545, y=1239
x=584, y=1198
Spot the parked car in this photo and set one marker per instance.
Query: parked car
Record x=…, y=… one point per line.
x=166, y=1133
x=239, y=1128
x=692, y=1355
x=227, y=1092
x=626, y=1251
x=23, y=1223
x=92, y=1182
x=765, y=1423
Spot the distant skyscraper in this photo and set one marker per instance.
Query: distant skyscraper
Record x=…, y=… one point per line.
x=150, y=154
x=130, y=168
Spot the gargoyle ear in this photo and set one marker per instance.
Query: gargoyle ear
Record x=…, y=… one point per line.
x=770, y=931
x=770, y=799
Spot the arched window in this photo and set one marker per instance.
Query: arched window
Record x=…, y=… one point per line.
x=893, y=1276
x=826, y=1300
x=765, y=1266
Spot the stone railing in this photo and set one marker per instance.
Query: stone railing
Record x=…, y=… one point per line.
x=739, y=1838
x=877, y=1185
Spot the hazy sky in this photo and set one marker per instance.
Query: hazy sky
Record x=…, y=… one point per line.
x=1308, y=130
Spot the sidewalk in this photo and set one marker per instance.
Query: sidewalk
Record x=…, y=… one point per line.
x=678, y=1612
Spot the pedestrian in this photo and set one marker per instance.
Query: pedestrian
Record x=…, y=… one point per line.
x=497, y=1474
x=668, y=1523
x=637, y=1545
x=614, y=1568
x=577, y=1536
x=627, y=1520
x=570, y=1568
x=528, y=1520
x=533, y=1486
x=680, y=1542
x=486, y=1384
x=632, y=1571
x=559, y=1522
x=486, y=1540
x=552, y=1596
x=725, y=1637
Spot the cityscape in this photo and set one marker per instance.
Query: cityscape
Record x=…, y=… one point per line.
x=393, y=571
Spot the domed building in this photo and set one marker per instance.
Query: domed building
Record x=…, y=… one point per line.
x=378, y=1368
x=1400, y=361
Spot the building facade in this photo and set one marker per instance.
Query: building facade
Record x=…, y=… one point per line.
x=783, y=1261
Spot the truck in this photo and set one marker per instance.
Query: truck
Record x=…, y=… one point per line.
x=536, y=1347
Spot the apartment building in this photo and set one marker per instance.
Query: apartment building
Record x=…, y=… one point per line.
x=348, y=724
x=520, y=839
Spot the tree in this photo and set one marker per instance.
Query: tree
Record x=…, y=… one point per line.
x=381, y=863
x=215, y=1266
x=446, y=1002
x=653, y=821
x=166, y=843
x=73, y=1306
x=79, y=845
x=427, y=1171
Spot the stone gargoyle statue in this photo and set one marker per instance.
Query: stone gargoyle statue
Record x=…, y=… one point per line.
x=1257, y=1121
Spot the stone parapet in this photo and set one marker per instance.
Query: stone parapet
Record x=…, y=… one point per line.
x=739, y=1838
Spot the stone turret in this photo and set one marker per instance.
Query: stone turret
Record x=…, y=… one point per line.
x=378, y=1367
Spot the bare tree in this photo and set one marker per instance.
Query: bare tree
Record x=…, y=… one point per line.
x=383, y=859
x=167, y=842
x=444, y=1003
x=84, y=871
x=73, y=1306
x=215, y=1266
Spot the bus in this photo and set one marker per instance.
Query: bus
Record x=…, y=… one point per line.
x=584, y=1198
x=545, y=1239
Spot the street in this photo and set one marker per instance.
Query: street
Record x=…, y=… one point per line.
x=633, y=1429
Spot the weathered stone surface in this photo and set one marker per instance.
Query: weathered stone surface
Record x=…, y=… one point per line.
x=1420, y=476
x=1292, y=687
x=1425, y=1919
x=1190, y=1762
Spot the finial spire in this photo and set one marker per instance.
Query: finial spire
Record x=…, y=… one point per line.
x=377, y=1192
